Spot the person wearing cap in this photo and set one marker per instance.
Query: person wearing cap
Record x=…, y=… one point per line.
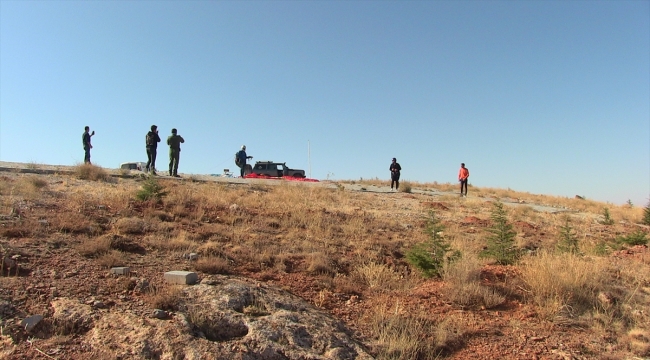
x=394, y=174
x=463, y=174
x=151, y=142
x=240, y=160
x=174, y=141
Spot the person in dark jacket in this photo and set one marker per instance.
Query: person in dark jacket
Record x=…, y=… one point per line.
x=241, y=160
x=85, y=138
x=174, y=141
x=394, y=174
x=151, y=142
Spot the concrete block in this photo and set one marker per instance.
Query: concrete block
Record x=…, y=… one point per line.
x=181, y=277
x=120, y=270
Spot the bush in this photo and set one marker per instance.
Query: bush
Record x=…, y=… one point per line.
x=568, y=240
x=431, y=256
x=151, y=190
x=90, y=172
x=636, y=238
x=405, y=187
x=501, y=242
x=607, y=217
x=646, y=214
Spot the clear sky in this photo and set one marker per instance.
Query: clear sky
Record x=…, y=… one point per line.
x=549, y=97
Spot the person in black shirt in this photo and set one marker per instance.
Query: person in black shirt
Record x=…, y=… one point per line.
x=394, y=174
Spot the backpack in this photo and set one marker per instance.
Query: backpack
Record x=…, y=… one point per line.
x=237, y=159
x=149, y=139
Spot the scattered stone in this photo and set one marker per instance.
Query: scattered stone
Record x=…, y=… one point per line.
x=159, y=314
x=141, y=286
x=31, y=321
x=43, y=222
x=123, y=270
x=210, y=282
x=181, y=277
x=234, y=207
x=352, y=300
x=191, y=256
x=98, y=304
x=9, y=263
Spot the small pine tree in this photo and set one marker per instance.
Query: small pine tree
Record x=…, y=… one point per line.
x=431, y=255
x=501, y=241
x=646, y=214
x=151, y=190
x=608, y=218
x=568, y=240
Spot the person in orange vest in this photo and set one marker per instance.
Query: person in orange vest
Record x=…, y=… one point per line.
x=463, y=174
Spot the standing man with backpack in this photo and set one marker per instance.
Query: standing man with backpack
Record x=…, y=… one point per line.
x=463, y=174
x=395, y=169
x=151, y=141
x=85, y=138
x=174, y=141
x=240, y=160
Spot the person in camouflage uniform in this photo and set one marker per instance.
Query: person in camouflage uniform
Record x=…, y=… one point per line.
x=151, y=142
x=174, y=141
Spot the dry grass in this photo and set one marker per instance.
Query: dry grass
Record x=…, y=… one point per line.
x=402, y=334
x=563, y=284
x=164, y=297
x=111, y=259
x=212, y=265
x=90, y=172
x=132, y=226
x=94, y=247
x=349, y=243
x=380, y=278
x=464, y=285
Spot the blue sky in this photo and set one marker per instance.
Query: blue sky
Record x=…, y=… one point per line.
x=549, y=97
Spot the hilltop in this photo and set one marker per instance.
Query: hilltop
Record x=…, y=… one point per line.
x=310, y=270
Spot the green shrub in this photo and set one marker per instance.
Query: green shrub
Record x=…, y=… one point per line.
x=568, y=240
x=501, y=241
x=431, y=255
x=607, y=218
x=636, y=238
x=646, y=214
x=151, y=190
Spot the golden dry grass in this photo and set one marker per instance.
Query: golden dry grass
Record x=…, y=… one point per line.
x=353, y=243
x=563, y=284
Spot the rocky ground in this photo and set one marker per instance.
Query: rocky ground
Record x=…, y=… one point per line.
x=250, y=313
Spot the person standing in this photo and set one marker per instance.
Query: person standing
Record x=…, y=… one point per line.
x=240, y=160
x=85, y=138
x=174, y=141
x=151, y=142
x=463, y=174
x=394, y=174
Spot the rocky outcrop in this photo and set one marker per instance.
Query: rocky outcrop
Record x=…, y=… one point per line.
x=228, y=318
